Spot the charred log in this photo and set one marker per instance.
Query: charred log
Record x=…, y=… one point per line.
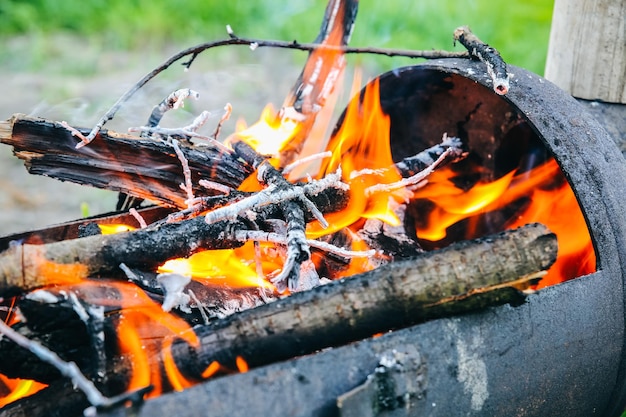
x=26, y=267
x=143, y=168
x=390, y=297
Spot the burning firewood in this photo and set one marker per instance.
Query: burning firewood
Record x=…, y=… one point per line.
x=462, y=277
x=230, y=194
x=148, y=248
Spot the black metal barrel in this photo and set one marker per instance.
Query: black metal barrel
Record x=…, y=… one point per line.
x=559, y=354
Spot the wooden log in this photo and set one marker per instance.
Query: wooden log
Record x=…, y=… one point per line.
x=26, y=267
x=587, y=52
x=144, y=168
x=463, y=277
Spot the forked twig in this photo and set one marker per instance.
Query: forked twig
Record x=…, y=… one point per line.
x=496, y=67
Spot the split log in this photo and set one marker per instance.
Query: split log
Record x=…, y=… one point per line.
x=319, y=76
x=463, y=277
x=144, y=168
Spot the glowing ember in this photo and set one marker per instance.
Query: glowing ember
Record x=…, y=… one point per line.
x=242, y=365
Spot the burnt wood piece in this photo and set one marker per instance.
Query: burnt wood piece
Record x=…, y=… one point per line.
x=322, y=68
x=150, y=169
x=72, y=229
x=496, y=67
x=144, y=168
x=463, y=277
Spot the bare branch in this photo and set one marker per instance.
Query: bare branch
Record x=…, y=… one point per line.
x=195, y=50
x=496, y=67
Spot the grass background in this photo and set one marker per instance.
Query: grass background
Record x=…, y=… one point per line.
x=518, y=28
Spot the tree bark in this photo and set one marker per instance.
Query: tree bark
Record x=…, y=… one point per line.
x=26, y=267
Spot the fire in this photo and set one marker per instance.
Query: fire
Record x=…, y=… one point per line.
x=551, y=201
x=109, y=229
x=361, y=151
x=229, y=267
x=361, y=148
x=18, y=388
x=270, y=134
x=145, y=332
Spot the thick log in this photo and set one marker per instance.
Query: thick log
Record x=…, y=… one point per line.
x=463, y=277
x=144, y=168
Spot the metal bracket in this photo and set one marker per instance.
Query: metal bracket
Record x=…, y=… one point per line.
x=395, y=385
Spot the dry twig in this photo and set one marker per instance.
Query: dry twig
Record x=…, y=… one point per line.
x=496, y=67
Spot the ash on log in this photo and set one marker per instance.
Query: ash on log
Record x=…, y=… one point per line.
x=463, y=277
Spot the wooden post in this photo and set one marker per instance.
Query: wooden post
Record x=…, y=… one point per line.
x=587, y=52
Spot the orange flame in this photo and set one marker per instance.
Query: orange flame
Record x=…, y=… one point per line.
x=18, y=388
x=361, y=146
x=551, y=202
x=175, y=377
x=144, y=332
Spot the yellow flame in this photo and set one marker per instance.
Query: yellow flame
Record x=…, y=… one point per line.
x=110, y=229
x=217, y=267
x=20, y=388
x=270, y=134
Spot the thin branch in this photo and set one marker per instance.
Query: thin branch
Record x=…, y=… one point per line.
x=410, y=181
x=67, y=369
x=496, y=67
x=260, y=236
x=301, y=161
x=187, y=187
x=173, y=101
x=228, y=109
x=234, y=40
x=297, y=248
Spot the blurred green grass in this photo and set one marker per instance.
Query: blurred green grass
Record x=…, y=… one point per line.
x=518, y=28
